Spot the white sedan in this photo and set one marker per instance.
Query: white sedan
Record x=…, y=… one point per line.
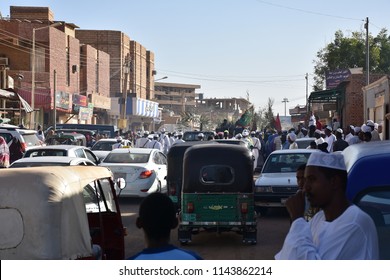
x=144, y=170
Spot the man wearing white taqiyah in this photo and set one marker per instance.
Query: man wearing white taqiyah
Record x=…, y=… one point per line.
x=340, y=231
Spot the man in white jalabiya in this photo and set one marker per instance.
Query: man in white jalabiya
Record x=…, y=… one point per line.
x=340, y=231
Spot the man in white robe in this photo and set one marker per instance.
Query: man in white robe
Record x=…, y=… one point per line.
x=340, y=231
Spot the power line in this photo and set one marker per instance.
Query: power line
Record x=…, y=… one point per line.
x=307, y=11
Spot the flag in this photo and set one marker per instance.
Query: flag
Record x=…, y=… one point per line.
x=278, y=125
x=245, y=119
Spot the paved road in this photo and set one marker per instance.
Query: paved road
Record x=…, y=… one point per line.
x=271, y=228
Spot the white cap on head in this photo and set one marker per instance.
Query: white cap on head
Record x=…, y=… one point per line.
x=333, y=160
x=318, y=131
x=329, y=128
x=365, y=128
x=370, y=123
x=339, y=130
x=357, y=129
x=245, y=132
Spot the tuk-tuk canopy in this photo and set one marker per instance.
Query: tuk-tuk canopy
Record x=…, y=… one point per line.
x=42, y=212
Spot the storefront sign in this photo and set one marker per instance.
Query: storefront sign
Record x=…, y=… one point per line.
x=141, y=107
x=63, y=100
x=100, y=101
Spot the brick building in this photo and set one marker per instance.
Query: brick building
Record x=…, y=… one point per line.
x=131, y=75
x=57, y=67
x=344, y=102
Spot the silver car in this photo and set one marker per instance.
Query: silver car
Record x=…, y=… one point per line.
x=277, y=180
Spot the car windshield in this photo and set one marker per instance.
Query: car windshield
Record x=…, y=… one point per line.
x=284, y=163
x=126, y=158
x=43, y=152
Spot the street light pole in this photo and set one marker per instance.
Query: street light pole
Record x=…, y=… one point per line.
x=285, y=100
x=163, y=78
x=32, y=117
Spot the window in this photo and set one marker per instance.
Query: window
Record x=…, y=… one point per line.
x=217, y=174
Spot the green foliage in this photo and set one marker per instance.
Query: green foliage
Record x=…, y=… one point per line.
x=350, y=52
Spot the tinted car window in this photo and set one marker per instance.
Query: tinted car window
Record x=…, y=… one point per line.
x=7, y=136
x=127, y=158
x=103, y=146
x=43, y=152
x=217, y=174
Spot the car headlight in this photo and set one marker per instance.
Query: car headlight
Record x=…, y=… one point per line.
x=263, y=189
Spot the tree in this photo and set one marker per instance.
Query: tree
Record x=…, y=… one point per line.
x=350, y=52
x=269, y=114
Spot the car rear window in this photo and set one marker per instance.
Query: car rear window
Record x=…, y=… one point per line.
x=43, y=152
x=31, y=140
x=127, y=158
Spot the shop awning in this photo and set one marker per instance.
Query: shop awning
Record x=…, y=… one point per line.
x=326, y=96
x=14, y=95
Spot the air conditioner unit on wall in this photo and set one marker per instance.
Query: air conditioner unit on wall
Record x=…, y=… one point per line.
x=3, y=61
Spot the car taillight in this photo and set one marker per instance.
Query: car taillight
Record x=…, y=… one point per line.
x=146, y=174
x=244, y=208
x=190, y=207
x=172, y=189
x=24, y=147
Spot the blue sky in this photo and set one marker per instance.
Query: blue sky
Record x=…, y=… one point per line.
x=228, y=47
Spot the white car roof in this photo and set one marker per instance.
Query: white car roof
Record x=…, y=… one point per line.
x=52, y=159
x=57, y=147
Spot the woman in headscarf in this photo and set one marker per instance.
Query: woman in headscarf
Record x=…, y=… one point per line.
x=15, y=150
x=4, y=153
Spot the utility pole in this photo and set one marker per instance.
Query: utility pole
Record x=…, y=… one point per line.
x=126, y=71
x=307, y=90
x=367, y=54
x=285, y=100
x=55, y=101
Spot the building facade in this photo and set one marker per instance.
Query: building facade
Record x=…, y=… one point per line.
x=54, y=80
x=131, y=78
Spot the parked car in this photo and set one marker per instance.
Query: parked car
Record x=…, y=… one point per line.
x=277, y=180
x=27, y=137
x=51, y=161
x=369, y=186
x=64, y=151
x=102, y=147
x=217, y=193
x=144, y=170
x=58, y=213
x=303, y=143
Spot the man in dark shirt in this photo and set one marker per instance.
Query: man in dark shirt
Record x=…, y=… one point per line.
x=340, y=144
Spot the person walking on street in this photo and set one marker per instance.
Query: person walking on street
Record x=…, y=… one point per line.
x=341, y=230
x=155, y=144
x=15, y=150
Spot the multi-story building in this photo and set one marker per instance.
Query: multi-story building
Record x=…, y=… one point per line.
x=131, y=78
x=52, y=67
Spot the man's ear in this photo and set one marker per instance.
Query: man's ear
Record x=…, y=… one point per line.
x=175, y=223
x=138, y=223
